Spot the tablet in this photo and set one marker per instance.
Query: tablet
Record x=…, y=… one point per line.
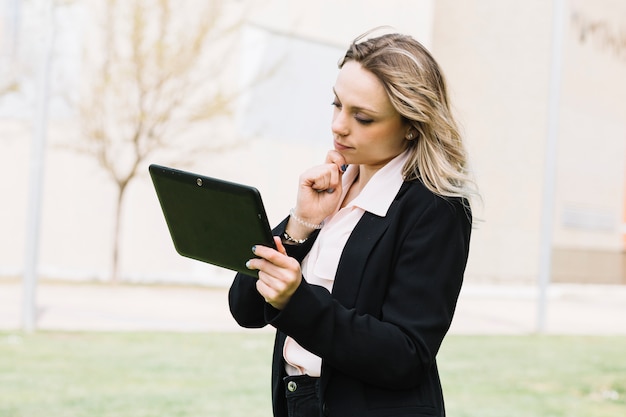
x=212, y=220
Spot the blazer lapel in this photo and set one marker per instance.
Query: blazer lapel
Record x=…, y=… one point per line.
x=352, y=262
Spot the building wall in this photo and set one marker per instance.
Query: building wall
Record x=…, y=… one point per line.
x=589, y=233
x=338, y=22
x=497, y=57
x=497, y=71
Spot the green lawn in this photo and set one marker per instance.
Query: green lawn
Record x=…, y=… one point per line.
x=227, y=374
x=534, y=376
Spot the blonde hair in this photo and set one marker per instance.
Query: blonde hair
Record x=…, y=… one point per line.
x=417, y=90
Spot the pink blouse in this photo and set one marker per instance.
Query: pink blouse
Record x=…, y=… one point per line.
x=320, y=264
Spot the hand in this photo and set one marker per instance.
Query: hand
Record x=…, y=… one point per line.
x=320, y=189
x=279, y=274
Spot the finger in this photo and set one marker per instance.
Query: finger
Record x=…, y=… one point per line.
x=334, y=157
x=262, y=251
x=266, y=292
x=271, y=256
x=331, y=179
x=279, y=245
x=269, y=282
x=323, y=176
x=251, y=264
x=270, y=295
x=259, y=262
x=273, y=287
x=335, y=179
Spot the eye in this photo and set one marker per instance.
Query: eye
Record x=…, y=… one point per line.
x=362, y=120
x=336, y=103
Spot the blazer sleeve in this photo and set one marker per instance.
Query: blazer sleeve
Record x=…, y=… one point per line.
x=392, y=346
x=247, y=306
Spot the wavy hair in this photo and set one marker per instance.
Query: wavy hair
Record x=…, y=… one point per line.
x=417, y=90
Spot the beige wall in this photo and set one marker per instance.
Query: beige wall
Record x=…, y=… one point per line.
x=497, y=69
x=497, y=57
x=592, y=146
x=338, y=22
x=591, y=182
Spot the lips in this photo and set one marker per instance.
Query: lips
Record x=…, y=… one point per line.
x=340, y=147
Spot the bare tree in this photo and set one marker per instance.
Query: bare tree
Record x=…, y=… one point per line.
x=154, y=79
x=8, y=70
x=8, y=86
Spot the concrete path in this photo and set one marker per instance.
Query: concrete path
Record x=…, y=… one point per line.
x=572, y=309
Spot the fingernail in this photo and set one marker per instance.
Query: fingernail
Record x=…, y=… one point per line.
x=248, y=264
x=330, y=190
x=344, y=167
x=254, y=249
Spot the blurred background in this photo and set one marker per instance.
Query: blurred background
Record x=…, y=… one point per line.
x=92, y=92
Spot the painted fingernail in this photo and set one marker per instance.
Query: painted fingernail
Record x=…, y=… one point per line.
x=344, y=167
x=248, y=264
x=254, y=249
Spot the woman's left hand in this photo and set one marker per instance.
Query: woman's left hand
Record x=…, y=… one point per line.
x=279, y=274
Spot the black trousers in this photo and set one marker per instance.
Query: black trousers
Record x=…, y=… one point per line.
x=302, y=393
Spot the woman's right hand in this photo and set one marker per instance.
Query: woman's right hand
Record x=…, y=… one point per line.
x=320, y=189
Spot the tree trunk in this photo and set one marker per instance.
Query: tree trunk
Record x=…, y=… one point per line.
x=115, y=268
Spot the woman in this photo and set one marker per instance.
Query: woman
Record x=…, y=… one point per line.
x=369, y=265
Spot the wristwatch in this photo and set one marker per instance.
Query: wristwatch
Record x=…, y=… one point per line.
x=293, y=240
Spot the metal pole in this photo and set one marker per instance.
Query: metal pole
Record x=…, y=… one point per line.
x=15, y=17
x=37, y=159
x=545, y=264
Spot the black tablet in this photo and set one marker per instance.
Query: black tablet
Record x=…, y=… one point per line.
x=212, y=220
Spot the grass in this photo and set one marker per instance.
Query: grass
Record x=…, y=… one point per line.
x=534, y=376
x=134, y=374
x=227, y=374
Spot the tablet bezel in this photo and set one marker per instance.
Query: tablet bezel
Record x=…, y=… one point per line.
x=210, y=219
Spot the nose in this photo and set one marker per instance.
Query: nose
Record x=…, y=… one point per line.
x=339, y=125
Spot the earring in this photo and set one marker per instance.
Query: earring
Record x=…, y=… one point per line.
x=410, y=136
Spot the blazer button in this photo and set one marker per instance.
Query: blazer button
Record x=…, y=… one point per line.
x=292, y=386
x=325, y=410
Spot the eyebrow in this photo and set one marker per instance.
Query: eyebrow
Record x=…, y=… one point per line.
x=358, y=108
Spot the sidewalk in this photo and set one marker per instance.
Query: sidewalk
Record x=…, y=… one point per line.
x=572, y=309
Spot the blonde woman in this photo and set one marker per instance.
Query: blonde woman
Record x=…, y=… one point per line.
x=370, y=261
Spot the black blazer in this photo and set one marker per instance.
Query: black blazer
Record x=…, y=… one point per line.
x=392, y=302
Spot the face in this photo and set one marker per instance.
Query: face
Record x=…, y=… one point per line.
x=367, y=130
